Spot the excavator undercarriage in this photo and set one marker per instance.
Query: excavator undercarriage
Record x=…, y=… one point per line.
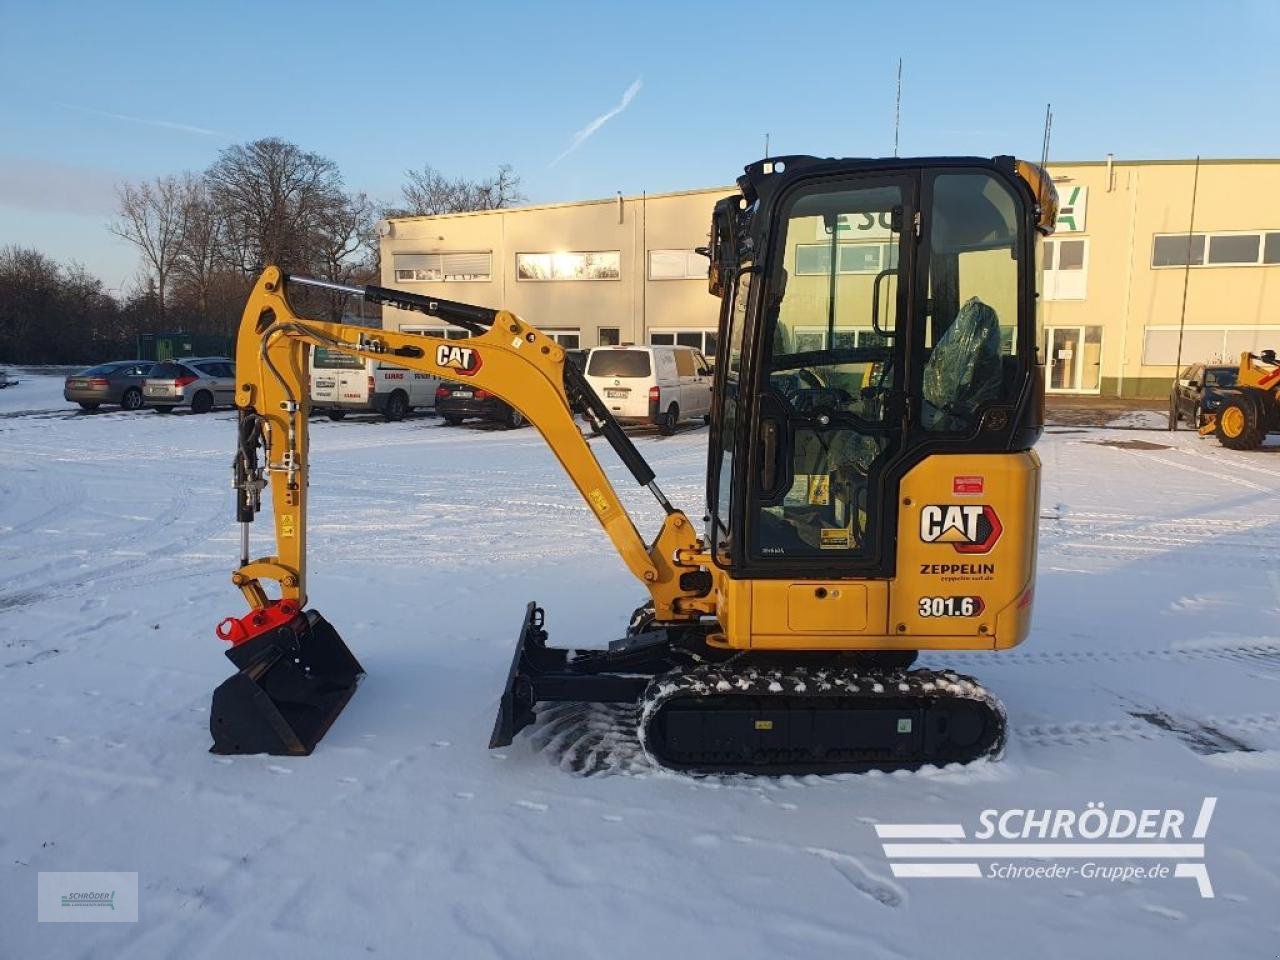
x=707, y=710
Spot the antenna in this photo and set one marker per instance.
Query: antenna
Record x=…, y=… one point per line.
x=897, y=109
x=766, y=146
x=1186, y=270
x=1048, y=132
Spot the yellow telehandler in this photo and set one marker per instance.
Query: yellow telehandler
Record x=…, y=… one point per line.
x=1253, y=410
x=871, y=485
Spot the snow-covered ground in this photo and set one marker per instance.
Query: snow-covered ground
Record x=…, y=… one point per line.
x=403, y=836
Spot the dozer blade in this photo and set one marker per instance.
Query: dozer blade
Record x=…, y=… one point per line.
x=292, y=683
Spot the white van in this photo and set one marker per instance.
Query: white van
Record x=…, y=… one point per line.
x=662, y=385
x=342, y=384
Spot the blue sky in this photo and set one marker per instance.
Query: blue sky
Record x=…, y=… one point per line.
x=96, y=93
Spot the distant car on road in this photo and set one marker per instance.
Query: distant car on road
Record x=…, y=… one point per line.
x=1199, y=389
x=6, y=380
x=120, y=381
x=456, y=402
x=201, y=383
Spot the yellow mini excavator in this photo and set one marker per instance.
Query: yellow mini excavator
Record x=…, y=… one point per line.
x=871, y=485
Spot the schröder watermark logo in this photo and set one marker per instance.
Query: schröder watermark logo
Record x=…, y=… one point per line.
x=1095, y=843
x=87, y=897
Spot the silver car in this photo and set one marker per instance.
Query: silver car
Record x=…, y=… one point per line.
x=200, y=383
x=117, y=382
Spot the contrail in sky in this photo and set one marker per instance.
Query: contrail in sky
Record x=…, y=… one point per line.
x=583, y=135
x=165, y=124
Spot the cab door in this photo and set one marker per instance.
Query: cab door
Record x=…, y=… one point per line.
x=829, y=411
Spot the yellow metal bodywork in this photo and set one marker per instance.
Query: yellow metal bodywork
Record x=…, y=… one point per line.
x=887, y=614
x=525, y=368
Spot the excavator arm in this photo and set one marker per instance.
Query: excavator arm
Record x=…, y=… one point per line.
x=505, y=356
x=295, y=673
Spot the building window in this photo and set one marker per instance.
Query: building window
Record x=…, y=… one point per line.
x=704, y=340
x=442, y=267
x=1228, y=249
x=1065, y=269
x=677, y=265
x=1201, y=344
x=596, y=265
x=814, y=259
x=442, y=333
x=609, y=336
x=567, y=338
x=815, y=338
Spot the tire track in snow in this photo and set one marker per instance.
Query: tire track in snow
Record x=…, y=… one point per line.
x=1084, y=732
x=1249, y=650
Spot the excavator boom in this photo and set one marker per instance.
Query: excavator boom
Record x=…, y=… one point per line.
x=297, y=658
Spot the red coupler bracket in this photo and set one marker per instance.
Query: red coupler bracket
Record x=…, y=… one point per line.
x=257, y=622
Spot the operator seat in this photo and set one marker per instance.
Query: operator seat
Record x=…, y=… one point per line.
x=964, y=372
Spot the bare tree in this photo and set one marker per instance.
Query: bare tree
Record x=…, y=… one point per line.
x=345, y=246
x=201, y=254
x=152, y=215
x=272, y=196
x=500, y=191
x=428, y=192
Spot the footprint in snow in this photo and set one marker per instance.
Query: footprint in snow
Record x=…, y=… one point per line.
x=442, y=743
x=465, y=795
x=531, y=805
x=1164, y=911
x=279, y=770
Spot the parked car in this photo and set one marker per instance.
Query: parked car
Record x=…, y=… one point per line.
x=456, y=402
x=342, y=384
x=200, y=383
x=661, y=385
x=1199, y=389
x=120, y=381
x=6, y=380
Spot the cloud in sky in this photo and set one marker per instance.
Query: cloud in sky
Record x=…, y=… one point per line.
x=42, y=185
x=583, y=135
x=164, y=124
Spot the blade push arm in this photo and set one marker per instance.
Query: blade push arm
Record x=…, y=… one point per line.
x=506, y=357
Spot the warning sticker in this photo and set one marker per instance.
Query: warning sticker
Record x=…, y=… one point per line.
x=835, y=538
x=968, y=486
x=599, y=501
x=286, y=524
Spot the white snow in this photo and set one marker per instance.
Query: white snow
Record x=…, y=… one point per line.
x=403, y=836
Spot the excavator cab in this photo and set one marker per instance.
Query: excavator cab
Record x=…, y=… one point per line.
x=871, y=485
x=870, y=317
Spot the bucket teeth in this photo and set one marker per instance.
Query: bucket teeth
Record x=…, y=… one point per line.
x=292, y=683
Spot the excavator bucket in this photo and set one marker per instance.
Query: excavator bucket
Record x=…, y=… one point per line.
x=294, y=679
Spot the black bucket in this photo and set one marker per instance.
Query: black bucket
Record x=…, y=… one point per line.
x=293, y=682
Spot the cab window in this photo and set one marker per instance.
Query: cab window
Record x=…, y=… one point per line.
x=970, y=334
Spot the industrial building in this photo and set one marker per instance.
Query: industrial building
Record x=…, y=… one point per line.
x=1154, y=263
